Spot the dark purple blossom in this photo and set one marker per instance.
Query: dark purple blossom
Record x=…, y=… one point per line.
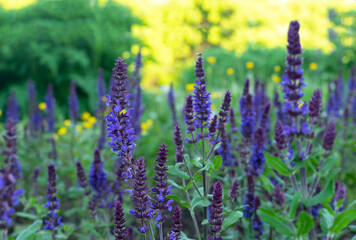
x=50, y=106
x=189, y=114
x=201, y=97
x=172, y=104
x=250, y=196
x=225, y=150
x=329, y=137
x=82, y=180
x=257, y=223
x=73, y=102
x=140, y=198
x=52, y=200
x=118, y=120
x=264, y=123
x=315, y=209
x=161, y=189
x=53, y=153
x=176, y=224
x=279, y=136
x=234, y=190
x=315, y=104
x=216, y=212
x=212, y=130
x=247, y=117
x=120, y=229
x=340, y=196
x=233, y=125
x=278, y=196
x=224, y=110
x=12, y=108
x=178, y=142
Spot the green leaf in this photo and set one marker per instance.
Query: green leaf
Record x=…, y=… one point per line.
x=26, y=215
x=343, y=220
x=30, y=232
x=184, y=237
x=217, y=162
x=267, y=183
x=173, y=183
x=326, y=219
x=43, y=235
x=176, y=172
x=199, y=201
x=278, y=222
x=294, y=205
x=329, y=164
x=187, y=158
x=304, y=224
x=204, y=222
x=325, y=194
x=351, y=204
x=231, y=218
x=277, y=164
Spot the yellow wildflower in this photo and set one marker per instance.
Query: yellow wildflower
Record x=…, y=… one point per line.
x=276, y=78
x=250, y=65
x=79, y=128
x=87, y=124
x=230, y=71
x=0, y=112
x=214, y=95
x=85, y=116
x=213, y=107
x=277, y=68
x=144, y=126
x=92, y=120
x=62, y=131
x=189, y=87
x=149, y=122
x=313, y=66
x=211, y=59
x=348, y=21
x=67, y=123
x=135, y=48
x=42, y=106
x=126, y=55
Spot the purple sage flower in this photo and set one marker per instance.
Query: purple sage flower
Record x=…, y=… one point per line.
x=279, y=136
x=82, y=179
x=50, y=106
x=120, y=229
x=52, y=200
x=315, y=104
x=247, y=117
x=176, y=225
x=278, y=196
x=172, y=104
x=329, y=137
x=234, y=190
x=257, y=160
x=73, y=102
x=12, y=110
x=340, y=195
x=256, y=220
x=250, y=196
x=216, y=212
x=178, y=142
x=189, y=114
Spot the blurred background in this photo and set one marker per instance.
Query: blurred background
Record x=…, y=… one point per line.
x=56, y=41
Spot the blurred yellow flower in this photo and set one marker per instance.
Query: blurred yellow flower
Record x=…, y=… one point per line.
x=42, y=106
x=135, y=48
x=300, y=104
x=313, y=66
x=214, y=95
x=67, y=122
x=348, y=21
x=149, y=122
x=230, y=71
x=87, y=124
x=126, y=55
x=213, y=107
x=62, y=131
x=189, y=87
x=79, y=128
x=276, y=78
x=123, y=111
x=250, y=65
x=0, y=112
x=85, y=115
x=277, y=68
x=92, y=120
x=144, y=126
x=211, y=59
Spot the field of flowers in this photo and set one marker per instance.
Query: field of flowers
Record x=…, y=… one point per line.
x=259, y=145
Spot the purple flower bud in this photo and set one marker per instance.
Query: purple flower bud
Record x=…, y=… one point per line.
x=176, y=225
x=279, y=136
x=265, y=117
x=212, y=129
x=247, y=117
x=256, y=221
x=224, y=110
x=73, y=103
x=32, y=98
x=315, y=104
x=246, y=88
x=178, y=142
x=329, y=137
x=53, y=153
x=82, y=180
x=119, y=219
x=225, y=149
x=189, y=114
x=278, y=196
x=250, y=196
x=234, y=128
x=340, y=194
x=234, y=190
x=216, y=212
x=257, y=160
x=12, y=108
x=172, y=104
x=139, y=195
x=50, y=106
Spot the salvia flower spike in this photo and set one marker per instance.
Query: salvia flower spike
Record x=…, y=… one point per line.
x=216, y=212
x=50, y=107
x=178, y=142
x=176, y=225
x=73, y=102
x=52, y=200
x=120, y=229
x=329, y=137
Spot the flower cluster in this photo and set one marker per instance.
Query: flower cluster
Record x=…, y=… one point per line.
x=216, y=212
x=50, y=105
x=73, y=102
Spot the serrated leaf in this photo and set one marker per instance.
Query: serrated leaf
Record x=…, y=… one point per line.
x=278, y=222
x=277, y=164
x=231, y=218
x=294, y=205
x=325, y=194
x=30, y=232
x=343, y=220
x=304, y=224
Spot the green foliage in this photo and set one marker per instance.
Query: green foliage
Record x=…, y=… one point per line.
x=57, y=41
